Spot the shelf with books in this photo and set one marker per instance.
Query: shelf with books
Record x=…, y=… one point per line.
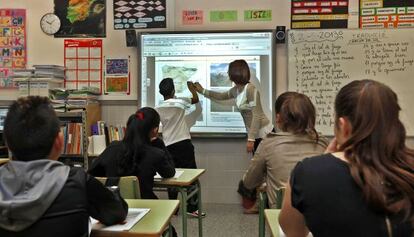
x=73, y=127
x=76, y=127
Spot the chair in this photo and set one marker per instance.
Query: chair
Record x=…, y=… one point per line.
x=128, y=186
x=262, y=205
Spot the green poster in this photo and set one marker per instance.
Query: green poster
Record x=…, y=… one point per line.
x=258, y=15
x=217, y=16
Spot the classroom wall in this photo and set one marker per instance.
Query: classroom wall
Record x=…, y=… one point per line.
x=224, y=159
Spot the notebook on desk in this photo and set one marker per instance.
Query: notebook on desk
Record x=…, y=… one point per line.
x=178, y=173
x=134, y=215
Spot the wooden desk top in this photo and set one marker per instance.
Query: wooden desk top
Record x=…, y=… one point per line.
x=151, y=225
x=187, y=178
x=4, y=160
x=271, y=216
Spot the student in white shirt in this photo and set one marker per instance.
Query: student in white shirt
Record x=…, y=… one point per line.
x=176, y=126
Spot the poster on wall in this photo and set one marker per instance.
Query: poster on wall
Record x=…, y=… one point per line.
x=311, y=14
x=192, y=17
x=81, y=18
x=13, y=51
x=83, y=64
x=386, y=13
x=117, y=80
x=130, y=14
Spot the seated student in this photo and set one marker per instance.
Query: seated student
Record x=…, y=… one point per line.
x=176, y=130
x=40, y=196
x=141, y=153
x=279, y=152
x=365, y=186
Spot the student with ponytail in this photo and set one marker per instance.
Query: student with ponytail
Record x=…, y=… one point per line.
x=141, y=153
x=279, y=152
x=364, y=186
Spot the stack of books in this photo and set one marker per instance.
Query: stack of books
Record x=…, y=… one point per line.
x=49, y=71
x=78, y=99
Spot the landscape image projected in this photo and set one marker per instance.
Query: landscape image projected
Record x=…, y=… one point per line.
x=218, y=75
x=180, y=75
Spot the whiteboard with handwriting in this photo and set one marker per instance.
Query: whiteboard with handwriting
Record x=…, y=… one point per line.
x=322, y=61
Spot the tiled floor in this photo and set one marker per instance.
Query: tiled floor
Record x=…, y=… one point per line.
x=222, y=220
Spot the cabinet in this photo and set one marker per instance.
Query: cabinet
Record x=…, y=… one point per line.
x=75, y=125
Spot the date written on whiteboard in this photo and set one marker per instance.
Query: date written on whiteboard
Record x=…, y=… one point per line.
x=330, y=35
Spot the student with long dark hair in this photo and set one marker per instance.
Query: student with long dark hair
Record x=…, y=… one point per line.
x=365, y=185
x=141, y=153
x=279, y=152
x=248, y=101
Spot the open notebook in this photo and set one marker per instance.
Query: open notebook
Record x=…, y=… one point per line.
x=178, y=173
x=134, y=215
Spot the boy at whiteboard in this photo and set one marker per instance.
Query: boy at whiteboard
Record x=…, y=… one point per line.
x=176, y=126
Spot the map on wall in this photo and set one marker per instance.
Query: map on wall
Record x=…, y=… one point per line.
x=12, y=44
x=386, y=13
x=129, y=14
x=81, y=18
x=307, y=14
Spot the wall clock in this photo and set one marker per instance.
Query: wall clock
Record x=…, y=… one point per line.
x=50, y=23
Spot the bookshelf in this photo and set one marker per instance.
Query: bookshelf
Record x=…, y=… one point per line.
x=76, y=124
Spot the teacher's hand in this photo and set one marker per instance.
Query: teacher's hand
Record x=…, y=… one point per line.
x=250, y=146
x=199, y=88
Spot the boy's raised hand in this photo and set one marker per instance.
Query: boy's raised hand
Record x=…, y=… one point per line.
x=191, y=86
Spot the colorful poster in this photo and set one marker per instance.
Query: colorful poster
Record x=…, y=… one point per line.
x=83, y=64
x=219, y=16
x=307, y=14
x=13, y=51
x=130, y=14
x=192, y=17
x=386, y=13
x=117, y=80
x=257, y=15
x=81, y=18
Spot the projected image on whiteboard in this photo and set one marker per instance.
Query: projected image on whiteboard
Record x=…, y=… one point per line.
x=181, y=71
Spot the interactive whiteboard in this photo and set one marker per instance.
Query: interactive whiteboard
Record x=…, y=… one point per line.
x=322, y=61
x=204, y=57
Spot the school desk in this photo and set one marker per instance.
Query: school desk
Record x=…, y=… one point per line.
x=3, y=160
x=152, y=224
x=187, y=181
x=272, y=219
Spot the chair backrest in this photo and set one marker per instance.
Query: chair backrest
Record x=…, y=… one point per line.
x=128, y=186
x=280, y=193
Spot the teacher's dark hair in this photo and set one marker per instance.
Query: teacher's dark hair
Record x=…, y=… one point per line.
x=239, y=72
x=297, y=114
x=137, y=137
x=380, y=163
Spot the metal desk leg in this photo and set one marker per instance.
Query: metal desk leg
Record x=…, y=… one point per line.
x=200, y=209
x=170, y=232
x=183, y=208
x=262, y=203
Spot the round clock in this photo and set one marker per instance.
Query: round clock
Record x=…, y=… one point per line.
x=50, y=23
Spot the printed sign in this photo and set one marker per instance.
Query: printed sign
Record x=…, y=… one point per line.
x=13, y=51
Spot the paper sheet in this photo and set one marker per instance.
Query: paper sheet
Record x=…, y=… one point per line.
x=134, y=215
x=178, y=173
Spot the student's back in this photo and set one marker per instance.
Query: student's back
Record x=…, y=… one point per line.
x=40, y=196
x=153, y=159
x=332, y=203
x=141, y=153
